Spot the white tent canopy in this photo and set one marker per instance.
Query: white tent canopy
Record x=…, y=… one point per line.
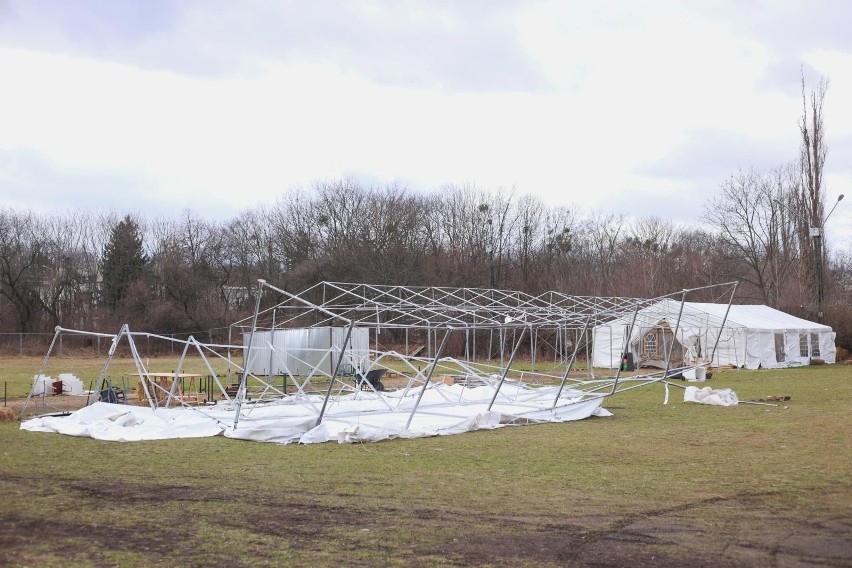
x=750, y=336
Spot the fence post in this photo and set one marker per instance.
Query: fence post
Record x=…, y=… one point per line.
x=60, y=345
x=21, y=343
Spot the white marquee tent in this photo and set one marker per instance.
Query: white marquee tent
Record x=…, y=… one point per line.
x=750, y=336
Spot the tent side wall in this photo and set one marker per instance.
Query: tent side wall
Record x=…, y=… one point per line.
x=607, y=345
x=301, y=351
x=754, y=336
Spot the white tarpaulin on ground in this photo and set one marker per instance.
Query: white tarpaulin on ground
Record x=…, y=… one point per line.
x=357, y=417
x=707, y=395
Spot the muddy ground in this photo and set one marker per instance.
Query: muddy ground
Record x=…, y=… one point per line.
x=184, y=524
x=302, y=530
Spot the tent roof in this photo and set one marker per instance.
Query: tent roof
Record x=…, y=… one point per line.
x=697, y=314
x=387, y=306
x=758, y=316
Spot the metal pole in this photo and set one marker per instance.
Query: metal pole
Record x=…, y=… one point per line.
x=143, y=372
x=474, y=337
x=428, y=376
x=819, y=275
x=570, y=365
x=241, y=391
x=533, y=348
x=336, y=370
x=722, y=326
x=230, y=342
x=213, y=376
x=674, y=336
x=629, y=335
x=110, y=354
x=41, y=369
x=271, y=346
x=507, y=367
x=173, y=386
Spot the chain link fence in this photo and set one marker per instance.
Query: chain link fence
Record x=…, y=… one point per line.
x=36, y=344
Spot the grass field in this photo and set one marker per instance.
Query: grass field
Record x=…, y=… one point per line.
x=654, y=485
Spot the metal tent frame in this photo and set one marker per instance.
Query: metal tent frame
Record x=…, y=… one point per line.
x=337, y=390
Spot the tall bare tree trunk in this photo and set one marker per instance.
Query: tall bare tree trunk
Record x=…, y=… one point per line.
x=811, y=202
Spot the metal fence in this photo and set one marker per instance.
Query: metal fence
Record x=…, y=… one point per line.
x=36, y=344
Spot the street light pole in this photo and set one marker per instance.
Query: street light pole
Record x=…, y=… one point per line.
x=816, y=234
x=490, y=250
x=817, y=237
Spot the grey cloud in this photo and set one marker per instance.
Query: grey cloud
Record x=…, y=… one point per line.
x=839, y=158
x=31, y=180
x=714, y=155
x=788, y=27
x=28, y=180
x=467, y=46
x=785, y=76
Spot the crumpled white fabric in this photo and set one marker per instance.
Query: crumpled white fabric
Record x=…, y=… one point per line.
x=125, y=423
x=707, y=395
x=358, y=417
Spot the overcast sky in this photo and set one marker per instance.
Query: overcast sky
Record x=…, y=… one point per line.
x=642, y=108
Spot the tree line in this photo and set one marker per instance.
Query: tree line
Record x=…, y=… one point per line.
x=97, y=270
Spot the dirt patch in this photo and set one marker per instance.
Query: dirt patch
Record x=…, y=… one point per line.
x=308, y=526
x=47, y=404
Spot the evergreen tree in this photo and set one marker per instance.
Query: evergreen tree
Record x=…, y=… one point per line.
x=122, y=262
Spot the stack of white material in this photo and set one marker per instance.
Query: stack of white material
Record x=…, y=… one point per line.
x=695, y=374
x=717, y=397
x=71, y=384
x=42, y=384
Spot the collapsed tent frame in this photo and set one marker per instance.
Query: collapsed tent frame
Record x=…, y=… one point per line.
x=421, y=311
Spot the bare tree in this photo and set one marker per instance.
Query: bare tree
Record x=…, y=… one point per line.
x=528, y=235
x=602, y=236
x=20, y=256
x=751, y=214
x=811, y=197
x=464, y=229
x=185, y=275
x=646, y=253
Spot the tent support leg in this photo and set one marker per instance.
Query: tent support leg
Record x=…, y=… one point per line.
x=570, y=365
x=241, y=391
x=629, y=336
x=722, y=326
x=428, y=375
x=41, y=369
x=178, y=371
x=334, y=374
x=506, y=368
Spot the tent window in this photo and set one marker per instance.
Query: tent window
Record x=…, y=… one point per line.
x=803, y=345
x=815, y=345
x=650, y=347
x=780, y=355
